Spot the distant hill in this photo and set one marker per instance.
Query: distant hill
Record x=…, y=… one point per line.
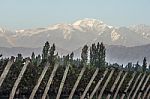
x=114, y=53
x=123, y=55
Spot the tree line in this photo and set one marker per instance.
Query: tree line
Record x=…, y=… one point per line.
x=91, y=56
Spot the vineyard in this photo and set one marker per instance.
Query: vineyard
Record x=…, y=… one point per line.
x=52, y=77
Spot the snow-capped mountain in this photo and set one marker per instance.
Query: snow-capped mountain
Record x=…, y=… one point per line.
x=74, y=35
x=142, y=29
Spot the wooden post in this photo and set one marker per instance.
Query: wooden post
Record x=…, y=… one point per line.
x=109, y=77
x=62, y=82
x=77, y=82
x=114, y=85
x=129, y=83
x=137, y=88
x=140, y=93
x=39, y=81
x=145, y=93
x=120, y=85
x=90, y=83
x=136, y=81
x=5, y=72
x=50, y=81
x=18, y=80
x=148, y=96
x=98, y=84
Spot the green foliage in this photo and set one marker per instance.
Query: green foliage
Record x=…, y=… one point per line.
x=48, y=53
x=51, y=56
x=45, y=51
x=71, y=57
x=1, y=55
x=84, y=54
x=33, y=59
x=138, y=67
x=97, y=55
x=66, y=60
x=144, y=66
x=38, y=60
x=129, y=66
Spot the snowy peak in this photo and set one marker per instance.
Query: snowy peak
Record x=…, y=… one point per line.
x=77, y=34
x=88, y=21
x=83, y=25
x=2, y=30
x=83, y=22
x=5, y=33
x=92, y=23
x=140, y=28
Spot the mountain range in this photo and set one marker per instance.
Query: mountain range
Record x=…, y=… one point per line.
x=71, y=37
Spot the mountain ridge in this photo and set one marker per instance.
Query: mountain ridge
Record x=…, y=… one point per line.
x=77, y=34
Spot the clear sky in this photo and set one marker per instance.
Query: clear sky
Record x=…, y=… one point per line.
x=20, y=14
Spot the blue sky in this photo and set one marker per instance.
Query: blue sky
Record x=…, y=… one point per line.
x=21, y=14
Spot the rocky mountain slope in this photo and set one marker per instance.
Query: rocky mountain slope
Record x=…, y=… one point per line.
x=75, y=35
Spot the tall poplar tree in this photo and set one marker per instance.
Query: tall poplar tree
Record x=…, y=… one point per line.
x=45, y=51
x=51, y=56
x=97, y=55
x=84, y=54
x=144, y=66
